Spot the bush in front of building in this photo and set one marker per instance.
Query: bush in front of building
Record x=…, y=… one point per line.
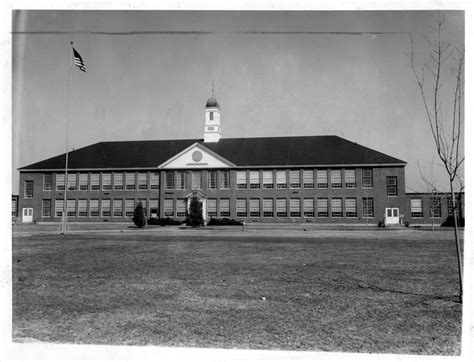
x=164, y=221
x=194, y=216
x=139, y=216
x=450, y=221
x=223, y=222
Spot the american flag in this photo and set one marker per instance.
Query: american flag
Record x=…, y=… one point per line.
x=78, y=60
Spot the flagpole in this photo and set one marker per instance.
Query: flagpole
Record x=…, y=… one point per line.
x=64, y=223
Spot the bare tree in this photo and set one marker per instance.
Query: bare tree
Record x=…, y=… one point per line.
x=446, y=131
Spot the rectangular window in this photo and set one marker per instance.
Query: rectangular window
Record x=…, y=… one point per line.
x=82, y=207
x=106, y=181
x=367, y=178
x=197, y=180
x=350, y=179
x=336, y=179
x=224, y=207
x=435, y=206
x=142, y=183
x=145, y=210
x=28, y=191
x=336, y=207
x=212, y=207
x=118, y=181
x=254, y=207
x=154, y=181
x=118, y=207
x=225, y=179
x=295, y=182
x=94, y=207
x=241, y=207
x=308, y=179
x=281, y=180
x=295, y=208
x=392, y=187
x=58, y=208
x=60, y=181
x=169, y=180
x=181, y=207
x=281, y=208
x=129, y=207
x=105, y=206
x=46, y=208
x=71, y=207
x=308, y=207
x=71, y=181
x=130, y=181
x=181, y=180
x=212, y=180
x=241, y=179
x=154, y=208
x=416, y=208
x=95, y=182
x=211, y=116
x=47, y=182
x=322, y=179
x=267, y=207
x=169, y=207
x=254, y=177
x=83, y=181
x=367, y=207
x=267, y=179
x=14, y=207
x=322, y=205
x=351, y=207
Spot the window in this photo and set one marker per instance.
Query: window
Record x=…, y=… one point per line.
x=58, y=208
x=350, y=179
x=154, y=181
x=118, y=207
x=367, y=207
x=181, y=180
x=71, y=181
x=323, y=208
x=83, y=181
x=295, y=208
x=142, y=184
x=225, y=179
x=169, y=207
x=351, y=207
x=106, y=181
x=46, y=208
x=181, y=207
x=212, y=180
x=295, y=182
x=212, y=207
x=392, y=188
x=367, y=178
x=336, y=207
x=94, y=207
x=14, y=207
x=308, y=179
x=106, y=208
x=47, y=182
x=130, y=181
x=416, y=208
x=169, y=180
x=28, y=192
x=95, y=181
x=281, y=209
x=282, y=183
x=267, y=179
x=82, y=207
x=224, y=207
x=254, y=177
x=241, y=207
x=267, y=207
x=336, y=179
x=129, y=207
x=118, y=181
x=197, y=180
x=322, y=179
x=241, y=179
x=308, y=207
x=435, y=206
x=154, y=208
x=254, y=207
x=211, y=116
x=71, y=207
x=60, y=182
x=145, y=210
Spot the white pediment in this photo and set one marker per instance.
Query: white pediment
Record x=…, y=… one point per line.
x=196, y=156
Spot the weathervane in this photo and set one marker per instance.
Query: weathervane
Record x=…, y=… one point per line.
x=213, y=90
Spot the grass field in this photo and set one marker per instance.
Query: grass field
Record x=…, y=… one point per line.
x=353, y=291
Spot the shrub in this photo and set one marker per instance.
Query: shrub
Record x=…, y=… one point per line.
x=224, y=221
x=164, y=221
x=139, y=216
x=407, y=224
x=450, y=221
x=381, y=224
x=194, y=216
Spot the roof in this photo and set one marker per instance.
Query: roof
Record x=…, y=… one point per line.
x=243, y=152
x=212, y=102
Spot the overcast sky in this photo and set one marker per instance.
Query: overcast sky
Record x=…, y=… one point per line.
x=320, y=73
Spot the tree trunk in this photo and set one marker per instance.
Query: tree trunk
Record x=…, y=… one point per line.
x=456, y=237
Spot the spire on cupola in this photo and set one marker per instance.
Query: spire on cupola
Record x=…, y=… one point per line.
x=212, y=127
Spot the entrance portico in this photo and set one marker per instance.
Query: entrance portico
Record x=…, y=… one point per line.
x=202, y=199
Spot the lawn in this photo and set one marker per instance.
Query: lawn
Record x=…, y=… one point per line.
x=360, y=291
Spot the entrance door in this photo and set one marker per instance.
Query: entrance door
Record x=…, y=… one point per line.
x=27, y=215
x=392, y=215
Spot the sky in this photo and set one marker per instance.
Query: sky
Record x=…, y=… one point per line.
x=279, y=73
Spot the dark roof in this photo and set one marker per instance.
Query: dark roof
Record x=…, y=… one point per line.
x=269, y=151
x=212, y=102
